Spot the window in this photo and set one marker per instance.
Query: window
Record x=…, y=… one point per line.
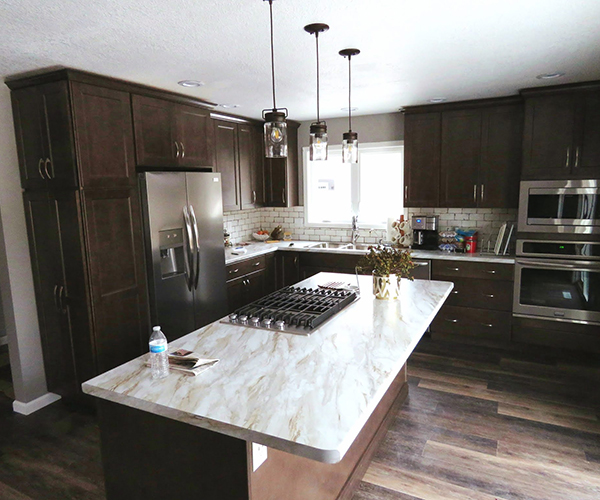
x=371, y=189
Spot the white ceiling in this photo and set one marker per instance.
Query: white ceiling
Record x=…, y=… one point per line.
x=410, y=50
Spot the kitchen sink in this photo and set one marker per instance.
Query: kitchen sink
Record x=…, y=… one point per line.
x=340, y=246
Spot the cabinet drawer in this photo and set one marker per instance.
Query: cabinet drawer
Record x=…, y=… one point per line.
x=245, y=266
x=473, y=322
x=484, y=294
x=443, y=269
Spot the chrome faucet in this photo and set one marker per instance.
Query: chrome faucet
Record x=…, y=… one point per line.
x=355, y=233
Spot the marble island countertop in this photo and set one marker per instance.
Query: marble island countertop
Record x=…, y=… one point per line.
x=306, y=395
x=254, y=249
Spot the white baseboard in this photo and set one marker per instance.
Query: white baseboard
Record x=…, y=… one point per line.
x=36, y=404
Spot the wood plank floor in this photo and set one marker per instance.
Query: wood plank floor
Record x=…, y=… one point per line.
x=479, y=423
x=490, y=423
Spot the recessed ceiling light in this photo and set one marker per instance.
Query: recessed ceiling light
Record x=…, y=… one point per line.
x=229, y=106
x=549, y=76
x=346, y=109
x=191, y=83
x=436, y=100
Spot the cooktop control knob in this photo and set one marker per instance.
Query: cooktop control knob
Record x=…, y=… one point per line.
x=243, y=319
x=255, y=320
x=267, y=322
x=233, y=317
x=280, y=324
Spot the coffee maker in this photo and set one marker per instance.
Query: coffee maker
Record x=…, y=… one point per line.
x=425, y=231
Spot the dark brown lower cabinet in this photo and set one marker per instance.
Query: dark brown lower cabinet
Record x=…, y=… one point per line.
x=479, y=308
x=574, y=336
x=190, y=462
x=89, y=280
x=245, y=289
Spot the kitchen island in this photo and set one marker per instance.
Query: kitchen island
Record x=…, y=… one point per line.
x=320, y=403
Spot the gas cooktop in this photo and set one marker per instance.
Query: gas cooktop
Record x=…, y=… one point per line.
x=293, y=309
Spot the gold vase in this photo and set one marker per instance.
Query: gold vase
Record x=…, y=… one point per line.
x=386, y=287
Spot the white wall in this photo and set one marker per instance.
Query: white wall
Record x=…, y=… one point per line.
x=371, y=128
x=16, y=281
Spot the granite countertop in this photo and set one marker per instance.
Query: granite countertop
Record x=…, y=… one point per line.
x=254, y=249
x=307, y=395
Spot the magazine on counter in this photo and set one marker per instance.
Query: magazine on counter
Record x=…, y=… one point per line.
x=188, y=362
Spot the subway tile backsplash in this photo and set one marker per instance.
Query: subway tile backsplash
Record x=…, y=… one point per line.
x=241, y=224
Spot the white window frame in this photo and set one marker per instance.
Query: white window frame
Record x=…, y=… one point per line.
x=356, y=172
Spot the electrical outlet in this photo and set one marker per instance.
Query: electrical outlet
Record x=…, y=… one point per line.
x=259, y=455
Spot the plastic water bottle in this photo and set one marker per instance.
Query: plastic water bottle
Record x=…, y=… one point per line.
x=159, y=360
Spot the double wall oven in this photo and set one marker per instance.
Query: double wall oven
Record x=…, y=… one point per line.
x=557, y=272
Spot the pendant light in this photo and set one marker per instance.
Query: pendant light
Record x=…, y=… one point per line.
x=276, y=140
x=318, y=129
x=349, y=139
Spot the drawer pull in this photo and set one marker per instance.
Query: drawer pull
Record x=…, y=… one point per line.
x=489, y=325
x=455, y=291
x=451, y=320
x=489, y=295
x=453, y=268
x=256, y=264
x=234, y=271
x=491, y=271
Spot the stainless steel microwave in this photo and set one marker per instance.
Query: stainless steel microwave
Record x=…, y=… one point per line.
x=560, y=206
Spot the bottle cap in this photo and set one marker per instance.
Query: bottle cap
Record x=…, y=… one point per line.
x=156, y=328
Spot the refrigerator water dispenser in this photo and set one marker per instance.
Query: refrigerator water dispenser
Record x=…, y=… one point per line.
x=171, y=252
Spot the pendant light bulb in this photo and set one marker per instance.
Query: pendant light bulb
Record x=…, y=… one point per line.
x=275, y=127
x=350, y=138
x=318, y=129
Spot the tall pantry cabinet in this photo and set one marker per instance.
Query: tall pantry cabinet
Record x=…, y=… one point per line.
x=77, y=162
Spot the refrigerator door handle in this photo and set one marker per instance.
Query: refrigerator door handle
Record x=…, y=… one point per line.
x=196, y=254
x=188, y=249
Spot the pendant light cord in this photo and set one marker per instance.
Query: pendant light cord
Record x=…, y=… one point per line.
x=318, y=85
x=272, y=54
x=349, y=94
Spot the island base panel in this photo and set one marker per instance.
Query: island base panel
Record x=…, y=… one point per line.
x=147, y=456
x=292, y=477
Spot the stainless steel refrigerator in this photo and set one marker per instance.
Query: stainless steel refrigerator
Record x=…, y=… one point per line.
x=183, y=224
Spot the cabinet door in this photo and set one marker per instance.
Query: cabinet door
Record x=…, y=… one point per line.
x=48, y=272
x=226, y=163
x=586, y=164
x=501, y=154
x=461, y=157
x=259, y=166
x=422, y=160
x=195, y=136
x=117, y=274
x=246, y=166
x=44, y=136
x=154, y=134
x=548, y=137
x=104, y=135
x=287, y=268
x=275, y=182
x=245, y=289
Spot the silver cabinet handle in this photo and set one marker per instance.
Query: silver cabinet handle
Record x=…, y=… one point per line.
x=56, y=297
x=455, y=292
x=453, y=268
x=182, y=150
x=491, y=271
x=253, y=197
x=420, y=263
x=40, y=163
x=234, y=271
x=406, y=192
x=46, y=164
x=482, y=191
x=256, y=264
x=62, y=299
x=568, y=157
x=489, y=295
x=475, y=193
x=296, y=260
x=451, y=320
x=577, y=156
x=283, y=195
x=489, y=325
x=178, y=153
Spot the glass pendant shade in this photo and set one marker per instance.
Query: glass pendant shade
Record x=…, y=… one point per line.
x=276, y=136
x=318, y=142
x=350, y=147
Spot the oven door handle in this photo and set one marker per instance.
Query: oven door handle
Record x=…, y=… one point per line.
x=582, y=265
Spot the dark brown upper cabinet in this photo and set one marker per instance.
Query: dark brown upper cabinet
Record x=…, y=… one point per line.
x=562, y=132
x=463, y=155
x=237, y=160
x=103, y=135
x=422, y=159
x=281, y=174
x=44, y=136
x=170, y=134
